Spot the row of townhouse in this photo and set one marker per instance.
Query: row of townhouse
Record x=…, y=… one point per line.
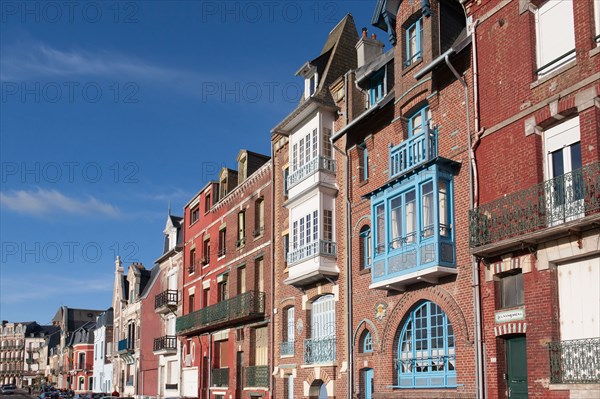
x=427, y=226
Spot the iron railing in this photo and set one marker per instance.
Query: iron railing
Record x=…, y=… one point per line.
x=220, y=377
x=257, y=376
x=319, y=350
x=259, y=231
x=317, y=163
x=286, y=348
x=575, y=362
x=321, y=247
x=244, y=306
x=166, y=298
x=413, y=152
x=222, y=252
x=167, y=342
x=553, y=202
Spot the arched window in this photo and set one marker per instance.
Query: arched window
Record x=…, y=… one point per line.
x=365, y=247
x=426, y=349
x=366, y=342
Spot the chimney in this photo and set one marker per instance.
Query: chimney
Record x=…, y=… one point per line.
x=367, y=49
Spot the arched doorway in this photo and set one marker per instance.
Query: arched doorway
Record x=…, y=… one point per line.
x=318, y=390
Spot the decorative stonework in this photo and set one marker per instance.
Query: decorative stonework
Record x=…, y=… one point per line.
x=519, y=327
x=380, y=310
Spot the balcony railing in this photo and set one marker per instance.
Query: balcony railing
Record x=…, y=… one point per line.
x=166, y=298
x=318, y=163
x=575, y=362
x=287, y=348
x=259, y=231
x=220, y=377
x=563, y=199
x=413, y=152
x=257, y=376
x=245, y=306
x=165, y=343
x=321, y=247
x=320, y=350
x=125, y=345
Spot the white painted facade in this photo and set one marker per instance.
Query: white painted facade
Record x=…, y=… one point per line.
x=103, y=370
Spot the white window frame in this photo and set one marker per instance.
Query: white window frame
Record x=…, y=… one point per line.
x=554, y=36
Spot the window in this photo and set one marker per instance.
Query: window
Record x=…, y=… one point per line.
x=286, y=174
x=223, y=187
x=555, y=35
x=305, y=150
x=366, y=342
x=426, y=349
x=289, y=333
x=289, y=387
x=259, y=217
x=327, y=153
x=206, y=251
x=194, y=215
x=81, y=363
x=192, y=264
x=365, y=247
x=261, y=342
x=207, y=203
x=241, y=239
x=597, y=21
x=323, y=317
x=310, y=85
x=205, y=297
x=363, y=161
x=222, y=242
x=242, y=169
x=286, y=247
x=419, y=122
x=377, y=87
x=191, y=304
x=223, y=292
x=327, y=225
x=510, y=290
x=241, y=279
x=260, y=275
x=414, y=42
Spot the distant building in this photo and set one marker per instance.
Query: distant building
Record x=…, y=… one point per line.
x=78, y=358
x=103, y=346
x=20, y=346
x=128, y=289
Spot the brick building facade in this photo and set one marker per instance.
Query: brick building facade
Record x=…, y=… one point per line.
x=226, y=297
x=535, y=229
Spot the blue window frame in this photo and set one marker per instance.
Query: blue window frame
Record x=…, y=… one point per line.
x=365, y=247
x=413, y=224
x=377, y=87
x=414, y=42
x=426, y=349
x=419, y=122
x=367, y=342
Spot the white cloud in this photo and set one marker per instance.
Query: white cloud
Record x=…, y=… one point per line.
x=51, y=202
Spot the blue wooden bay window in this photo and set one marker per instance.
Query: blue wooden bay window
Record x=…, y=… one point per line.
x=365, y=247
x=426, y=349
x=413, y=220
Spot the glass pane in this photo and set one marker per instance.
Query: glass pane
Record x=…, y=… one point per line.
x=417, y=124
x=396, y=223
x=411, y=217
x=427, y=210
x=443, y=208
x=380, y=229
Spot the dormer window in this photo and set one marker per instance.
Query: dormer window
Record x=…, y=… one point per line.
x=414, y=42
x=223, y=187
x=377, y=87
x=242, y=168
x=310, y=85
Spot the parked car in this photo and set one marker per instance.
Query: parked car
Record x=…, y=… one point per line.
x=8, y=389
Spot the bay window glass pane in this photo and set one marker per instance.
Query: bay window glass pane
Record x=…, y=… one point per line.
x=411, y=217
x=427, y=209
x=443, y=208
x=380, y=229
x=396, y=223
x=301, y=232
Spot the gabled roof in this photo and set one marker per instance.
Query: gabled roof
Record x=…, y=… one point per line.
x=337, y=57
x=152, y=276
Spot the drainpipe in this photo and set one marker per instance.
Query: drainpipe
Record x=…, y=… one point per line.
x=348, y=254
x=272, y=286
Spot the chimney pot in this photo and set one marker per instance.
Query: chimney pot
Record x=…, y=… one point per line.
x=364, y=32
x=373, y=36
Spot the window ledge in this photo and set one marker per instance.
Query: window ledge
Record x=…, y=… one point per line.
x=309, y=366
x=407, y=69
x=286, y=356
x=365, y=271
x=594, y=51
x=554, y=74
x=363, y=182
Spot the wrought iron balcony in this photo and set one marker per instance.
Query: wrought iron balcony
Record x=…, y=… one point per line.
x=125, y=346
x=575, y=362
x=316, y=248
x=286, y=348
x=257, y=376
x=259, y=231
x=246, y=306
x=165, y=344
x=166, y=301
x=413, y=152
x=320, y=350
x=222, y=252
x=538, y=211
x=220, y=378
x=306, y=170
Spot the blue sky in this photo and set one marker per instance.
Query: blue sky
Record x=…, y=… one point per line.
x=111, y=109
